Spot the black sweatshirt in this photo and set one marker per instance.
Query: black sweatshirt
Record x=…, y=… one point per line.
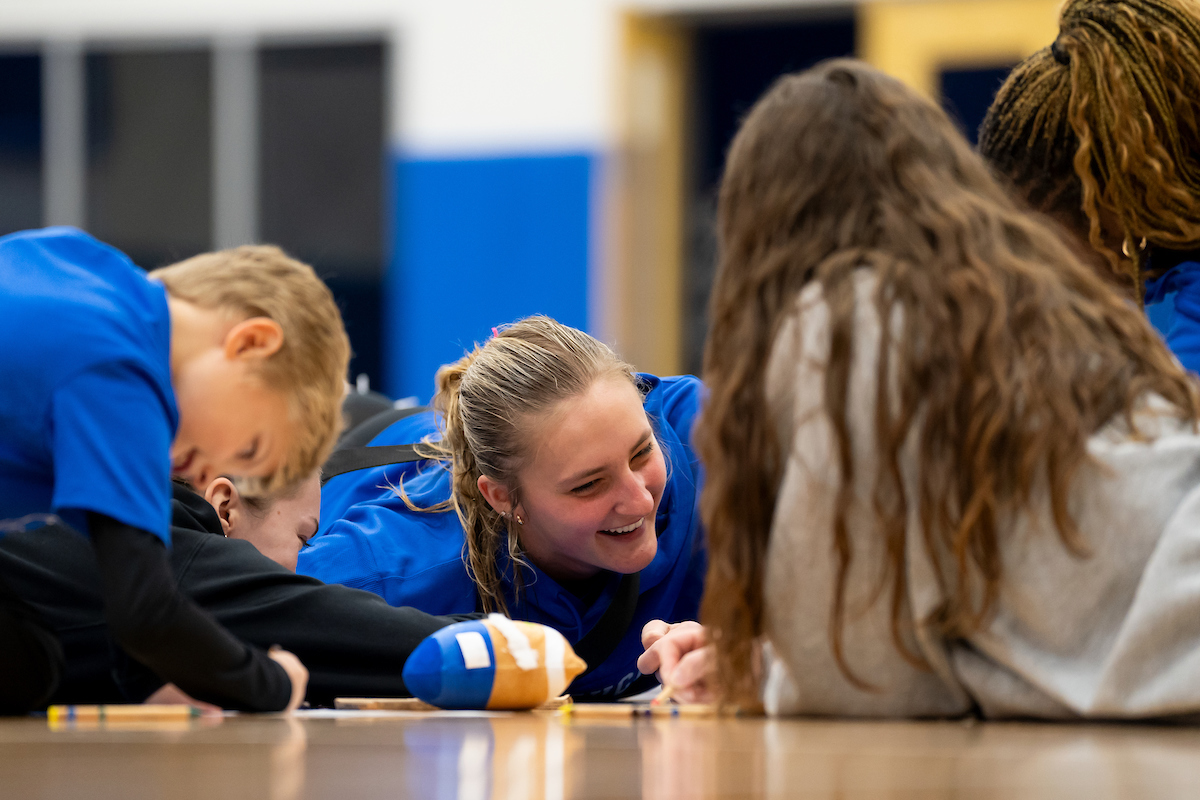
x=31, y=659
x=157, y=625
x=352, y=642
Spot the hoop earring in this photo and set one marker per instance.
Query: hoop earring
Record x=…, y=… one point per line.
x=1125, y=247
x=519, y=520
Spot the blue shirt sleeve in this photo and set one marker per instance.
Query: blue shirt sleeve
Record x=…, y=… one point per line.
x=1180, y=287
x=111, y=438
x=376, y=543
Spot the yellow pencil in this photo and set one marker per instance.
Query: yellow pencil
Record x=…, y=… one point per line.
x=634, y=710
x=124, y=713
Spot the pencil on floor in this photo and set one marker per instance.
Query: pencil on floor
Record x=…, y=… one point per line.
x=413, y=704
x=128, y=713
x=633, y=710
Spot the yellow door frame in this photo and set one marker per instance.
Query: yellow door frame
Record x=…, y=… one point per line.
x=643, y=302
x=641, y=279
x=915, y=41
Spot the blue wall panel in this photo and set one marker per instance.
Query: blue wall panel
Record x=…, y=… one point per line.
x=481, y=242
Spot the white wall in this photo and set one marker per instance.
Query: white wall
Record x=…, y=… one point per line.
x=522, y=75
x=470, y=76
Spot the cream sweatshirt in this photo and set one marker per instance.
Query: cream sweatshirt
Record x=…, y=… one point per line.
x=1115, y=634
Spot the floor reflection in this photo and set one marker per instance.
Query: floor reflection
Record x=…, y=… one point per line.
x=128, y=760
x=542, y=757
x=547, y=757
x=534, y=757
x=287, y=760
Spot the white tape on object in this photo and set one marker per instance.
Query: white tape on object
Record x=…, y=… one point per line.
x=474, y=650
x=518, y=643
x=556, y=653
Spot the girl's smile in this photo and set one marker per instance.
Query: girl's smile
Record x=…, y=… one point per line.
x=591, y=487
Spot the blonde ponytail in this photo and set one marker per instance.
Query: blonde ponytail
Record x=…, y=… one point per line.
x=489, y=402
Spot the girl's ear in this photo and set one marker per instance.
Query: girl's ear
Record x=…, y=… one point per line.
x=496, y=494
x=222, y=495
x=257, y=337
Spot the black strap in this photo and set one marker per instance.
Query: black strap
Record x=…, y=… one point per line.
x=600, y=642
x=352, y=452
x=342, y=461
x=362, y=434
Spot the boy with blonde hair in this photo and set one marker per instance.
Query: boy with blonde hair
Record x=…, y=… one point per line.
x=227, y=363
x=283, y=301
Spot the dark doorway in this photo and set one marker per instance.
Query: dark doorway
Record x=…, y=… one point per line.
x=967, y=93
x=20, y=142
x=735, y=61
x=149, y=153
x=322, y=168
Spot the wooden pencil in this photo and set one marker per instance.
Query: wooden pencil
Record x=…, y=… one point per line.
x=383, y=704
x=634, y=710
x=122, y=713
x=666, y=694
x=413, y=704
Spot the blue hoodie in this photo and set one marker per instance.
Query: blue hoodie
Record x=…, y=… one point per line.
x=371, y=540
x=1173, y=306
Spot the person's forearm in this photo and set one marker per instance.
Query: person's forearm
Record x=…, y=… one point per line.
x=372, y=666
x=156, y=624
x=353, y=643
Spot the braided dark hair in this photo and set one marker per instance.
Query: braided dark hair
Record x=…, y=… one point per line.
x=1105, y=125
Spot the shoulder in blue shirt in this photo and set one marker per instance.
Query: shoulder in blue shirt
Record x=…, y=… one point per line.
x=87, y=413
x=1173, y=305
x=370, y=539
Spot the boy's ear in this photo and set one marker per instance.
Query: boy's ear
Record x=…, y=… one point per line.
x=222, y=495
x=496, y=494
x=257, y=337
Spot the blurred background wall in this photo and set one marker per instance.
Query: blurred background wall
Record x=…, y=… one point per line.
x=446, y=165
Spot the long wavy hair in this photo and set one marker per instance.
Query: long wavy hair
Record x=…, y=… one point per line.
x=1009, y=352
x=1105, y=125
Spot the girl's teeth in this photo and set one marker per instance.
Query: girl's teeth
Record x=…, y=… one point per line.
x=628, y=528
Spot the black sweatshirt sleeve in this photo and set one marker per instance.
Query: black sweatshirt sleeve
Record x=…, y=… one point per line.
x=156, y=624
x=352, y=642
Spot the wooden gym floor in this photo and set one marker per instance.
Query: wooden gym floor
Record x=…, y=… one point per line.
x=474, y=757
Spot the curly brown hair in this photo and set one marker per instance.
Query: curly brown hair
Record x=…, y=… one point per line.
x=1105, y=125
x=1008, y=352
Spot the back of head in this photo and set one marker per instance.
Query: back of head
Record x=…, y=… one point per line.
x=309, y=369
x=840, y=169
x=491, y=402
x=1104, y=125
x=881, y=169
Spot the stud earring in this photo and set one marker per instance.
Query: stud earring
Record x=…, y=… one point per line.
x=519, y=520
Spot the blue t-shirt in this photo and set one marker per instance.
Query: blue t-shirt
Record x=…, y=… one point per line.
x=87, y=413
x=369, y=539
x=1173, y=306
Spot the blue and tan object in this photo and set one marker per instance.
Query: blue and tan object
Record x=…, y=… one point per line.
x=493, y=663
